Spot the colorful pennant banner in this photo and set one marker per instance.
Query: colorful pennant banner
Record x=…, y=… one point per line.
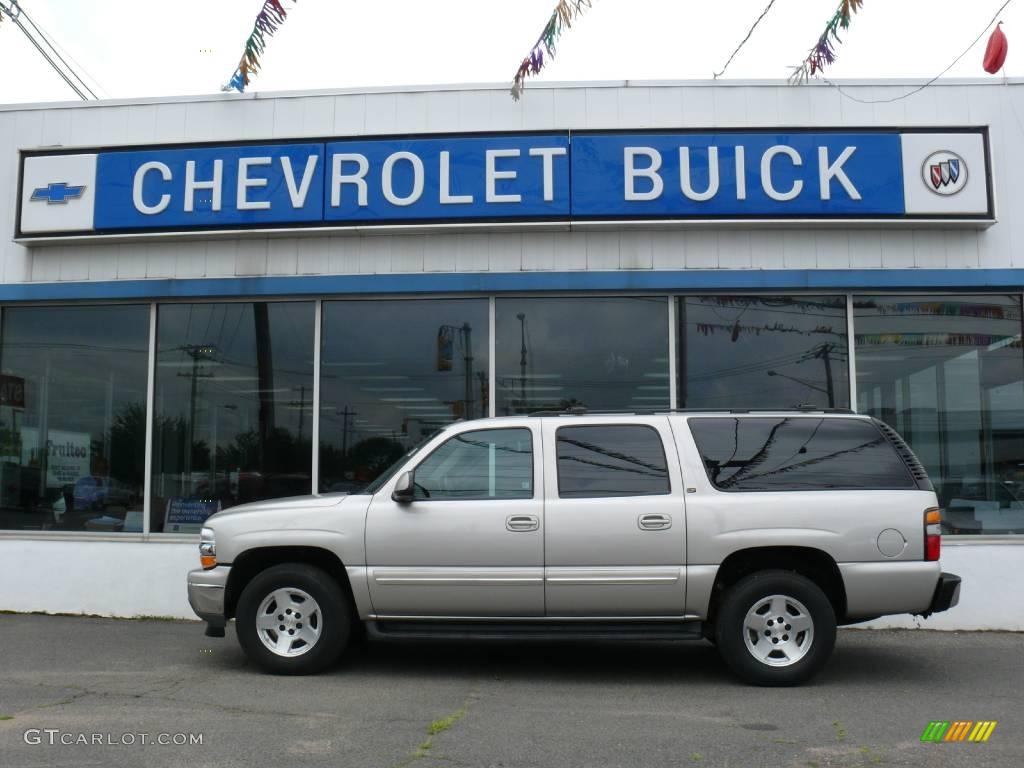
x=544, y=49
x=824, y=51
x=735, y=329
x=936, y=340
x=944, y=308
x=267, y=22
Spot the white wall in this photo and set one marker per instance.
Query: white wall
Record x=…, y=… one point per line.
x=594, y=105
x=123, y=578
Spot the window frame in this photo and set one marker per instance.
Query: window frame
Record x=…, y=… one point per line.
x=650, y=427
x=446, y=439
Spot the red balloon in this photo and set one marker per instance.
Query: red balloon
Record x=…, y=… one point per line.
x=995, y=53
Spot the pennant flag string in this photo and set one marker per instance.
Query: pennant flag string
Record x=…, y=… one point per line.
x=268, y=20
x=544, y=49
x=824, y=51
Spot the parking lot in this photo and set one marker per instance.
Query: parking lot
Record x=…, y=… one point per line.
x=389, y=705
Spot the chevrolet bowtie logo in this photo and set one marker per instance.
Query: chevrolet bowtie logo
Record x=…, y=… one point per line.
x=58, y=192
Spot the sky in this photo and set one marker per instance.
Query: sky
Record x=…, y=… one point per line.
x=133, y=48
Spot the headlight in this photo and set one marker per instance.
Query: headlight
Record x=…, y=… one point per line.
x=207, y=548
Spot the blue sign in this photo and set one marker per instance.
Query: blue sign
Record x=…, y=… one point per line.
x=555, y=177
x=710, y=175
x=445, y=179
x=184, y=515
x=210, y=186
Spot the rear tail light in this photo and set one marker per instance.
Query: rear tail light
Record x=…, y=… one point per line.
x=932, y=534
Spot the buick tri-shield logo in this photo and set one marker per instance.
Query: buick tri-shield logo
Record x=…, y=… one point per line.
x=944, y=172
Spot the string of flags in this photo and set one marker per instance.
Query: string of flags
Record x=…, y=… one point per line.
x=566, y=11
x=936, y=340
x=823, y=52
x=268, y=20
x=944, y=308
x=735, y=329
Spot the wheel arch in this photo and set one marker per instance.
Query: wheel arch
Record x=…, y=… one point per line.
x=814, y=564
x=254, y=561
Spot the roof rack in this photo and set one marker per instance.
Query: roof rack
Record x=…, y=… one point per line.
x=659, y=411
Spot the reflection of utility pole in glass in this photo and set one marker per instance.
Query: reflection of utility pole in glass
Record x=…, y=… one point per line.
x=198, y=353
x=465, y=332
x=345, y=413
x=522, y=361
x=822, y=353
x=302, y=408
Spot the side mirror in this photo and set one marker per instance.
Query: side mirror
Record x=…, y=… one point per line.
x=404, y=489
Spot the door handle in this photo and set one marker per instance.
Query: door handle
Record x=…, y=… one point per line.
x=522, y=522
x=654, y=522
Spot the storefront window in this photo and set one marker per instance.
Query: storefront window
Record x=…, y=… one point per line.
x=594, y=352
x=73, y=417
x=392, y=373
x=233, y=408
x=948, y=373
x=763, y=352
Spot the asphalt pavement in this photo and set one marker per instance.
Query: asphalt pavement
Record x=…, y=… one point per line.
x=78, y=691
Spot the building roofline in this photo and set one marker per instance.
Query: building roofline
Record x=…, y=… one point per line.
x=533, y=86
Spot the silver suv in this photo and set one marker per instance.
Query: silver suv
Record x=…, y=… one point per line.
x=761, y=531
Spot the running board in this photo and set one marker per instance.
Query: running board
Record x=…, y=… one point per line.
x=660, y=631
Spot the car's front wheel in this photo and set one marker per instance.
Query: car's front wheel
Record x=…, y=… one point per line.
x=775, y=628
x=293, y=619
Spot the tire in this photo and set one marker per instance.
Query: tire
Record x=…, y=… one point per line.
x=311, y=608
x=793, y=650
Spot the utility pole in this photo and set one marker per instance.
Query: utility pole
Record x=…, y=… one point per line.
x=302, y=409
x=823, y=354
x=522, y=361
x=468, y=356
x=198, y=353
x=345, y=413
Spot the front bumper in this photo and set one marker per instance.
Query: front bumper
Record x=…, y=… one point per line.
x=947, y=594
x=206, y=590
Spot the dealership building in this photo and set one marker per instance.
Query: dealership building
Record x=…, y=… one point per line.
x=211, y=300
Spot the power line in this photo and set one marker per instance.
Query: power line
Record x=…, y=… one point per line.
x=51, y=43
x=744, y=40
x=14, y=16
x=930, y=82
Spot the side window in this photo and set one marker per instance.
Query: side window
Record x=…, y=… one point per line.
x=484, y=464
x=617, y=460
x=797, y=454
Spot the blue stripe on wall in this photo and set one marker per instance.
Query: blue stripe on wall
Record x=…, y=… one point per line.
x=509, y=282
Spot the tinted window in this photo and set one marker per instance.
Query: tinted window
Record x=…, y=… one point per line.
x=610, y=461
x=73, y=418
x=604, y=352
x=394, y=372
x=947, y=373
x=233, y=408
x=793, y=454
x=485, y=464
x=762, y=352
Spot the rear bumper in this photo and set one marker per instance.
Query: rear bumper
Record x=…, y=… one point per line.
x=947, y=594
x=206, y=590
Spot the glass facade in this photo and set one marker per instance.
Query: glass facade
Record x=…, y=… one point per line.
x=588, y=352
x=234, y=403
x=233, y=408
x=762, y=352
x=947, y=372
x=73, y=417
x=392, y=373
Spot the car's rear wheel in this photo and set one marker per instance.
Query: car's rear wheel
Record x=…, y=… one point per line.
x=775, y=628
x=293, y=619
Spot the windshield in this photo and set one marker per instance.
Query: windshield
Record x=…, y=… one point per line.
x=387, y=474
